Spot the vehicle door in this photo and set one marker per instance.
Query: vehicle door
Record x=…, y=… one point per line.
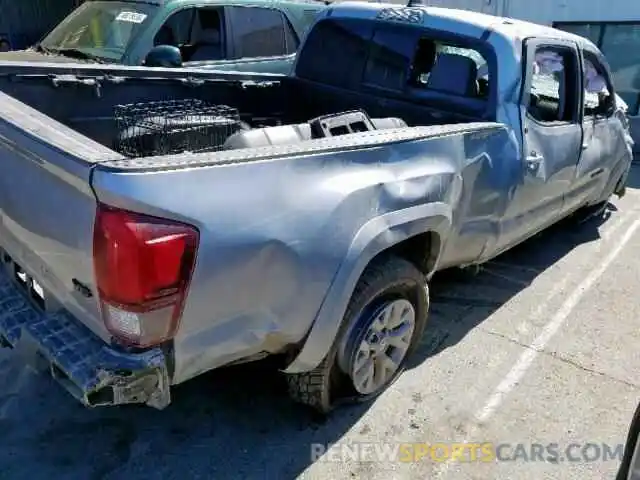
x=603, y=141
x=552, y=136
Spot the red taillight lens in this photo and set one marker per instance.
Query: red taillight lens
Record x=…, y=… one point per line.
x=143, y=266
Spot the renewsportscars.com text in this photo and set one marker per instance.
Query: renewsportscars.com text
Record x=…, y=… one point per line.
x=467, y=452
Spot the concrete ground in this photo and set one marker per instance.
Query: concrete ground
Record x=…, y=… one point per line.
x=541, y=347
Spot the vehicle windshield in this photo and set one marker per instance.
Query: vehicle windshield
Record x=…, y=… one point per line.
x=99, y=30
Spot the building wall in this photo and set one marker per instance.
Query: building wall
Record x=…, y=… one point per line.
x=614, y=25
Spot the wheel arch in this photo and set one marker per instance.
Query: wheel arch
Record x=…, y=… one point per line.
x=405, y=233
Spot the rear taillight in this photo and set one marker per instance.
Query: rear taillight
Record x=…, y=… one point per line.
x=143, y=267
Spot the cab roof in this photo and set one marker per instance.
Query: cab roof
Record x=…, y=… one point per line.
x=516, y=30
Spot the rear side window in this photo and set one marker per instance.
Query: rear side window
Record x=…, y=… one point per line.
x=399, y=60
x=261, y=32
x=345, y=43
x=390, y=59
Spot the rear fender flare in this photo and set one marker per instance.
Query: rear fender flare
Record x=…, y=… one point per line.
x=374, y=237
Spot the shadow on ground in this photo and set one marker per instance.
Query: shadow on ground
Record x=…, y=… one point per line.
x=461, y=300
x=237, y=422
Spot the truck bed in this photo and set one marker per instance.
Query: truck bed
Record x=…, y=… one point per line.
x=85, y=98
x=248, y=202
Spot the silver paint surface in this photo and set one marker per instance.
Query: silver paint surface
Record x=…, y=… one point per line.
x=286, y=231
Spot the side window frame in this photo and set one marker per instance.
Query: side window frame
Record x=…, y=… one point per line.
x=225, y=30
x=290, y=35
x=531, y=47
x=224, y=25
x=600, y=65
x=235, y=51
x=432, y=97
x=353, y=36
x=172, y=14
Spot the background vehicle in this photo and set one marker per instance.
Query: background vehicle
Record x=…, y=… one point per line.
x=263, y=214
x=251, y=35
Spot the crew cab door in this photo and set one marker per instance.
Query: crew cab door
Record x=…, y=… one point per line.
x=552, y=137
x=602, y=132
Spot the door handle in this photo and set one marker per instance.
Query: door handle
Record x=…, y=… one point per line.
x=585, y=146
x=533, y=161
x=594, y=174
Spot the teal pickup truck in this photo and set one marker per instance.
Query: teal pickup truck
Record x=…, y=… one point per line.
x=240, y=35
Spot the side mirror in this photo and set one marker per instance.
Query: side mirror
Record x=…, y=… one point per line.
x=164, y=56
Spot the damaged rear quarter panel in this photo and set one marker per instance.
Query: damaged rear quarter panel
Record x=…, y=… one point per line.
x=283, y=240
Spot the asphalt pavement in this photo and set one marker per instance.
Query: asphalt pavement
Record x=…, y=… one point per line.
x=529, y=368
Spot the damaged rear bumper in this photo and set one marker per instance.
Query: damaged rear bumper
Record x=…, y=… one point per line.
x=95, y=373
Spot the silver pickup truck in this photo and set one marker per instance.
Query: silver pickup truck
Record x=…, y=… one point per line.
x=146, y=241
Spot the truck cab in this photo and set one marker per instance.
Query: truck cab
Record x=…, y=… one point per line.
x=247, y=35
x=553, y=90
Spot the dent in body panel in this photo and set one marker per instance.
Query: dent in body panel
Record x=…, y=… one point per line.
x=435, y=215
x=276, y=234
x=489, y=173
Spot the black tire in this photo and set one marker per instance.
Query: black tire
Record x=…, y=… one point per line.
x=328, y=385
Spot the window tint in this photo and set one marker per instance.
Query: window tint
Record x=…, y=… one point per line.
x=345, y=42
x=398, y=60
x=177, y=29
x=390, y=57
x=261, y=32
x=550, y=97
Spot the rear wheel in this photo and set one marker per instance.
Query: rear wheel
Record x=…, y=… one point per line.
x=382, y=327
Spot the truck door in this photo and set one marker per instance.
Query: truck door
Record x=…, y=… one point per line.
x=601, y=133
x=552, y=137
